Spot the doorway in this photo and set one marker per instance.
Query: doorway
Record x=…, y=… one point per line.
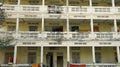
x=49, y=59
x=96, y=28
x=59, y=61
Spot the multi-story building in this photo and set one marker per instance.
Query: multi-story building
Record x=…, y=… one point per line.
x=61, y=33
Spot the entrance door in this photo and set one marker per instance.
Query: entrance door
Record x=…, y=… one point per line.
x=96, y=28
x=59, y=61
x=49, y=59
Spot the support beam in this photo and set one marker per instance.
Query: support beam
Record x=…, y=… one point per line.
x=68, y=56
x=93, y=53
x=118, y=54
x=41, y=56
x=15, y=54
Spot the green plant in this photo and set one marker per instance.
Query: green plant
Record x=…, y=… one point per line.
x=7, y=42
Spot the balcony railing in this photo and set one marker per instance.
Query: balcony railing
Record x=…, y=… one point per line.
x=61, y=9
x=106, y=10
x=95, y=65
x=15, y=65
x=104, y=35
x=74, y=65
x=55, y=35
x=22, y=8
x=28, y=35
x=34, y=35
x=8, y=33
x=117, y=10
x=79, y=9
x=79, y=36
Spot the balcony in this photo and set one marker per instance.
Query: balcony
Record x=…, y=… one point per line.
x=64, y=36
x=53, y=11
x=22, y=8
x=61, y=9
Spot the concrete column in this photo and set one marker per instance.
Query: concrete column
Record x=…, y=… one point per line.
x=18, y=2
x=90, y=2
x=115, y=25
x=41, y=56
x=93, y=53
x=118, y=54
x=113, y=3
x=17, y=24
x=91, y=24
x=67, y=11
x=68, y=56
x=15, y=54
x=43, y=3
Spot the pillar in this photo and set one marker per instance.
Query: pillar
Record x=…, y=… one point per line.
x=68, y=56
x=41, y=56
x=43, y=3
x=15, y=54
x=93, y=53
x=118, y=54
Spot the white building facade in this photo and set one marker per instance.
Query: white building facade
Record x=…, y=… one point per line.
x=61, y=33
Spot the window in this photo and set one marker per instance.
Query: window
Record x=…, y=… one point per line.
x=33, y=28
x=8, y=57
x=54, y=28
x=13, y=1
x=31, y=57
x=11, y=28
x=32, y=48
x=98, y=57
x=75, y=28
x=98, y=48
x=75, y=48
x=34, y=2
x=75, y=57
